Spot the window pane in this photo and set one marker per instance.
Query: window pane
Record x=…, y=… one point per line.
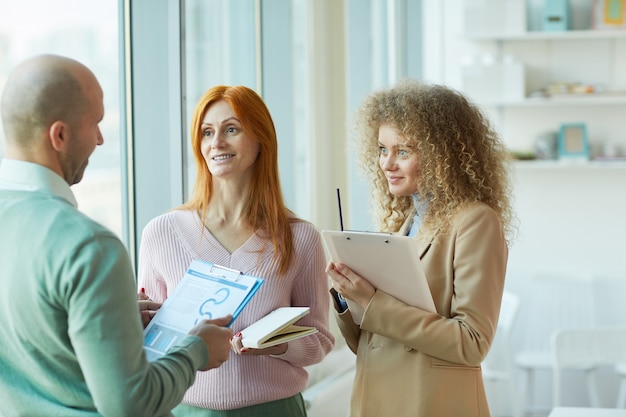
x=88, y=32
x=287, y=93
x=220, y=49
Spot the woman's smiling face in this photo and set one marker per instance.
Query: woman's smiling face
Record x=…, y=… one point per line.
x=228, y=150
x=398, y=162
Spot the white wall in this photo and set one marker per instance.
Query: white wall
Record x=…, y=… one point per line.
x=571, y=222
x=572, y=219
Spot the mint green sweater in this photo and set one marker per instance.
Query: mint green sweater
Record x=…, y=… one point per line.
x=71, y=340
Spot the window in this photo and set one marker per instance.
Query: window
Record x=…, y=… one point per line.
x=87, y=32
x=260, y=45
x=312, y=61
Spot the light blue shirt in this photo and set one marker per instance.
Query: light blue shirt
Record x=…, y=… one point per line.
x=420, y=208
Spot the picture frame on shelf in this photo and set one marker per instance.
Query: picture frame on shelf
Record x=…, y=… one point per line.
x=609, y=14
x=573, y=142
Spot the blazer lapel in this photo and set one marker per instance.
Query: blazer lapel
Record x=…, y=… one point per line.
x=423, y=244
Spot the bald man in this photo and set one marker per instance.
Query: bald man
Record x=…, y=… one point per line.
x=71, y=339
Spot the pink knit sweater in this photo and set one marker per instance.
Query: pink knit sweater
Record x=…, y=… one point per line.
x=171, y=241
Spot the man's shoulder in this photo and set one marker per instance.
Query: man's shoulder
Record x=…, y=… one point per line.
x=54, y=226
x=51, y=214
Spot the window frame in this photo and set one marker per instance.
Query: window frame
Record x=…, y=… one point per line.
x=154, y=105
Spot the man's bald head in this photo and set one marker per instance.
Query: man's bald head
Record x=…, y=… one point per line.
x=40, y=91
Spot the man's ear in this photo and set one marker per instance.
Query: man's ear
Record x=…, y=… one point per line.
x=58, y=134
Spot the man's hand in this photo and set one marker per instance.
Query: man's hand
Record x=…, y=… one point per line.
x=216, y=336
x=147, y=309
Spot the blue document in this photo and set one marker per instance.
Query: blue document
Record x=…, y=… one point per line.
x=206, y=291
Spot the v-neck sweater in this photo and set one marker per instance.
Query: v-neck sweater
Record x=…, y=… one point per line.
x=171, y=241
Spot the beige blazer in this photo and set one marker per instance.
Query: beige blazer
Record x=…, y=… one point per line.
x=414, y=363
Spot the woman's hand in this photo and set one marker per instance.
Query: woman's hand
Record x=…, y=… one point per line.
x=141, y=295
x=350, y=285
x=239, y=349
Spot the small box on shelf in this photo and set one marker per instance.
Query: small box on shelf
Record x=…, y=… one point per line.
x=609, y=14
x=555, y=15
x=611, y=151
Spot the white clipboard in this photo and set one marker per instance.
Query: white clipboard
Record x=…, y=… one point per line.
x=389, y=262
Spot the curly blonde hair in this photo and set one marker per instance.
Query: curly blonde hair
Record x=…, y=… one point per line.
x=460, y=156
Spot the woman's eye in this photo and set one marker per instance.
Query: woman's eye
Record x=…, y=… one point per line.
x=231, y=130
x=403, y=153
x=207, y=133
x=383, y=150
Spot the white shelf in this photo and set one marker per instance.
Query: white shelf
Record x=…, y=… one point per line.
x=543, y=36
x=545, y=165
x=564, y=101
x=549, y=57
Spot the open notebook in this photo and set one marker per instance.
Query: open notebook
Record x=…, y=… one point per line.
x=277, y=327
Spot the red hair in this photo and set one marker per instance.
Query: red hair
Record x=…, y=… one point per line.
x=265, y=210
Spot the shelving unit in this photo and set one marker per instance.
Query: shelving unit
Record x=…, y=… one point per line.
x=564, y=101
x=549, y=165
x=570, y=35
x=570, y=214
x=592, y=57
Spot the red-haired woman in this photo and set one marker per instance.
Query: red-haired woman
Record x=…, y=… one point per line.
x=236, y=217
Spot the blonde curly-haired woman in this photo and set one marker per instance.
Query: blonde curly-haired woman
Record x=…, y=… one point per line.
x=438, y=172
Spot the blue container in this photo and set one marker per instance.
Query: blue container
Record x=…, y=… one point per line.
x=555, y=15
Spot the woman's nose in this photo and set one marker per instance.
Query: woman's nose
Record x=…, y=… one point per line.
x=388, y=163
x=217, y=140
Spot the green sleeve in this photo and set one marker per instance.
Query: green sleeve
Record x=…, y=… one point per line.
x=107, y=335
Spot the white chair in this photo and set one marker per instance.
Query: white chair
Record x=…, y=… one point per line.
x=498, y=366
x=330, y=384
x=555, y=302
x=588, y=348
x=620, y=369
x=586, y=412
x=609, y=292
x=330, y=397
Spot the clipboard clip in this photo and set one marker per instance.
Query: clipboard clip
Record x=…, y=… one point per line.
x=386, y=240
x=219, y=271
